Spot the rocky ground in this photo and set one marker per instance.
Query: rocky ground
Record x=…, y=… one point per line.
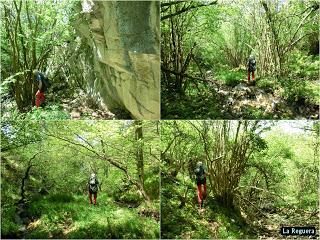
x=61, y=106
x=245, y=99
x=83, y=106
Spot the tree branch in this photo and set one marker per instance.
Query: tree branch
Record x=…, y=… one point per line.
x=187, y=9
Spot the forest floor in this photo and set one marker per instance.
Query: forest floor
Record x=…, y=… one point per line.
x=245, y=98
x=218, y=222
x=214, y=222
x=84, y=107
x=220, y=101
x=61, y=106
x=73, y=217
x=269, y=225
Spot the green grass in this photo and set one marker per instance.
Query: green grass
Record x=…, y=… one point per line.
x=268, y=84
x=295, y=90
x=250, y=112
x=50, y=112
x=186, y=222
x=193, y=105
x=231, y=77
x=66, y=216
x=292, y=89
x=215, y=222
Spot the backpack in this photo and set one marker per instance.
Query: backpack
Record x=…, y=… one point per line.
x=93, y=184
x=252, y=64
x=200, y=173
x=45, y=82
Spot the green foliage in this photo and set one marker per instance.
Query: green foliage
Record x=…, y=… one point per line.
x=297, y=90
x=255, y=113
x=60, y=156
x=231, y=224
x=222, y=38
x=61, y=197
x=41, y=35
x=284, y=167
x=269, y=84
x=9, y=229
x=44, y=27
x=129, y=197
x=301, y=65
x=294, y=89
x=278, y=180
x=195, y=106
x=230, y=77
x=77, y=219
x=182, y=222
x=51, y=112
x=151, y=184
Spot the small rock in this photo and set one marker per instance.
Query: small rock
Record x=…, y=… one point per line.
x=316, y=116
x=222, y=92
x=94, y=114
x=259, y=97
x=75, y=115
x=242, y=87
x=274, y=105
x=22, y=228
x=230, y=101
x=245, y=102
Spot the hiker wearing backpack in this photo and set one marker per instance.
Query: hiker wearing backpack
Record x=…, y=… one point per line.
x=43, y=85
x=93, y=185
x=251, y=67
x=201, y=174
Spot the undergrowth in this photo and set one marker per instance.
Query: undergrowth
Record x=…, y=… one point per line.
x=68, y=216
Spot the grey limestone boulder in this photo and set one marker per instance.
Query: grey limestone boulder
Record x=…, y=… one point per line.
x=123, y=37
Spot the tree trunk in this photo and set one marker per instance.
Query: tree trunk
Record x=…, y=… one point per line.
x=139, y=151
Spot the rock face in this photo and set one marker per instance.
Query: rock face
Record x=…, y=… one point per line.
x=124, y=39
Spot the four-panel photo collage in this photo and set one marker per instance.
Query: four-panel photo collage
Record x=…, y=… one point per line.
x=160, y=119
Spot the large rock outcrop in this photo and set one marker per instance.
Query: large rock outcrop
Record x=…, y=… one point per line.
x=124, y=39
